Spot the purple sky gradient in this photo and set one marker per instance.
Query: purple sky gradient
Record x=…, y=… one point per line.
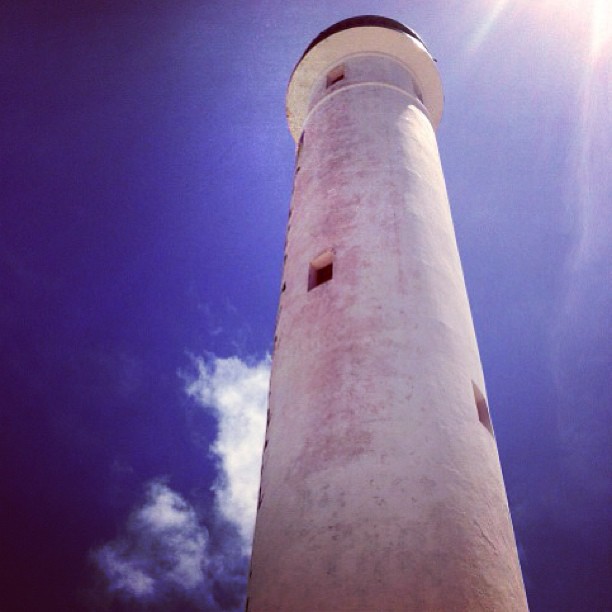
x=145, y=179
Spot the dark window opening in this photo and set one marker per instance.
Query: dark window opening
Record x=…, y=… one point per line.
x=483, y=410
x=321, y=270
x=260, y=499
x=300, y=146
x=283, y=287
x=246, y=606
x=322, y=275
x=335, y=75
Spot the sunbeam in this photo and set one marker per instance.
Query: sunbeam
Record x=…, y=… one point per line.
x=560, y=19
x=586, y=270
x=601, y=22
x=485, y=29
x=590, y=141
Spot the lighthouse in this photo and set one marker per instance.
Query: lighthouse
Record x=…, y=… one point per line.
x=381, y=486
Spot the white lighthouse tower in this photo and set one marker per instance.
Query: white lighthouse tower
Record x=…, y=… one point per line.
x=381, y=486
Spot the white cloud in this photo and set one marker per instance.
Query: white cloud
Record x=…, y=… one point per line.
x=237, y=393
x=122, y=572
x=163, y=548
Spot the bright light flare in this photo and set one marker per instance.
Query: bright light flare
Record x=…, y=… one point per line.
x=480, y=35
x=601, y=24
x=586, y=21
x=570, y=44
x=593, y=17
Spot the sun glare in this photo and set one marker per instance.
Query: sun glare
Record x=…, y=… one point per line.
x=558, y=18
x=577, y=35
x=601, y=23
x=594, y=16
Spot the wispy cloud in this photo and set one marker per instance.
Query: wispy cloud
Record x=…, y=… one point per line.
x=168, y=551
x=163, y=549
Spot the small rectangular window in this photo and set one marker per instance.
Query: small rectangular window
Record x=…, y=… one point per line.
x=321, y=270
x=483, y=410
x=335, y=75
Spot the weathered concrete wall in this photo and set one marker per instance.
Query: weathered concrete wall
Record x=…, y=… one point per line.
x=381, y=489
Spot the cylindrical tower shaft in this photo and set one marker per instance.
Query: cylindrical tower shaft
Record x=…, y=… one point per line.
x=381, y=485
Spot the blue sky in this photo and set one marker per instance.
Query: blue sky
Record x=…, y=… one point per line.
x=145, y=182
